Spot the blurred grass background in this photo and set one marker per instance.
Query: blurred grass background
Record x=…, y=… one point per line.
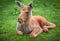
x=9, y=12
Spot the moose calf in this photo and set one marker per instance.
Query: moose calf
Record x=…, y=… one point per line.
x=31, y=24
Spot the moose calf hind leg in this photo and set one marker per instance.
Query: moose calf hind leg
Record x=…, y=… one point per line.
x=36, y=32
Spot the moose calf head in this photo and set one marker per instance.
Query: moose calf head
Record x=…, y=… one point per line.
x=26, y=11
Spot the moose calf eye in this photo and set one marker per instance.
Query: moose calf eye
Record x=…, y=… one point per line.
x=27, y=13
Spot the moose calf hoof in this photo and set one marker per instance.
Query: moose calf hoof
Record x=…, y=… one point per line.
x=32, y=35
x=47, y=31
x=19, y=33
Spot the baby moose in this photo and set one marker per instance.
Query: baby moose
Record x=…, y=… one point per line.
x=31, y=24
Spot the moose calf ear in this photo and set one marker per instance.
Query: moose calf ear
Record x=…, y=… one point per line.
x=31, y=5
x=19, y=4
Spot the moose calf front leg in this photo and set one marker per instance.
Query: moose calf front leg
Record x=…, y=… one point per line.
x=36, y=32
x=18, y=29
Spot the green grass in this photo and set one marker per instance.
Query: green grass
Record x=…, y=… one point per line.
x=9, y=12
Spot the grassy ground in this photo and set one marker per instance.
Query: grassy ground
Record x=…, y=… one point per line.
x=9, y=12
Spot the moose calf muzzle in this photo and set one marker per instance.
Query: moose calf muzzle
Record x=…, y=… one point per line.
x=20, y=20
